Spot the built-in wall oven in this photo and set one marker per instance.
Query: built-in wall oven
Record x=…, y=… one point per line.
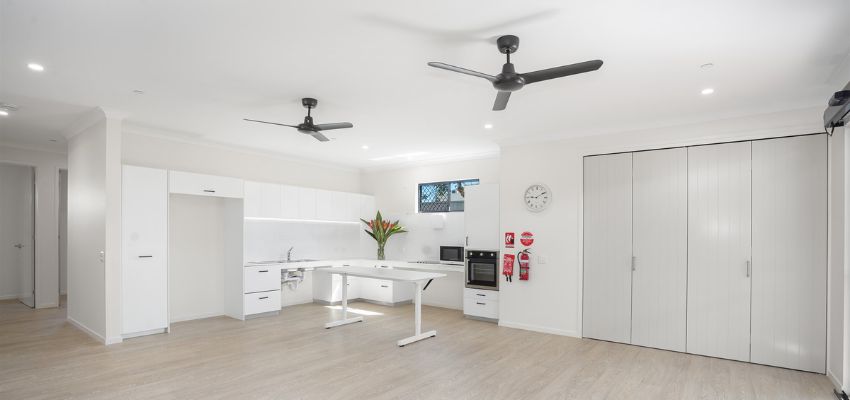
x=482, y=269
x=451, y=253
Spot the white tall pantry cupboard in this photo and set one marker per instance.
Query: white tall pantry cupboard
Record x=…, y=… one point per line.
x=718, y=250
x=481, y=216
x=145, y=250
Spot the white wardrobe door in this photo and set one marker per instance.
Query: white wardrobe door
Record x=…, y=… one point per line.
x=145, y=229
x=789, y=252
x=607, y=247
x=660, y=247
x=719, y=235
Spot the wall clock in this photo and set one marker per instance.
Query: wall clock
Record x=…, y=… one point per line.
x=537, y=197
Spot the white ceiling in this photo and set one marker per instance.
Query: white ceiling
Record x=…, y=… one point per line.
x=204, y=65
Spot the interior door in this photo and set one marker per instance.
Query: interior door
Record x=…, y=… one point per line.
x=789, y=252
x=607, y=285
x=660, y=247
x=719, y=250
x=145, y=243
x=17, y=220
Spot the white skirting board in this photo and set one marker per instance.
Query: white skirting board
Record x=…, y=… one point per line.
x=541, y=329
x=86, y=329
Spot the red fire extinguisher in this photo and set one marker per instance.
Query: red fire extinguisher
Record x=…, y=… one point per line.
x=524, y=261
x=508, y=267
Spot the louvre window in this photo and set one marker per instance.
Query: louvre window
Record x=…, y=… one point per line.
x=437, y=197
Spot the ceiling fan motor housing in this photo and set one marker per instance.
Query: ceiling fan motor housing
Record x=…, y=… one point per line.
x=309, y=102
x=508, y=80
x=507, y=44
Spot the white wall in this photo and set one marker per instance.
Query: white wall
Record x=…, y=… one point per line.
x=396, y=190
x=396, y=195
x=551, y=300
x=158, y=152
x=835, y=316
x=270, y=240
x=47, y=165
x=87, y=229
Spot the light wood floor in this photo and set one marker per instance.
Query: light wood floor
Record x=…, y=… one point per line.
x=291, y=357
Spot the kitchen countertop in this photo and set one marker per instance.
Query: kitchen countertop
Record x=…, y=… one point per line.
x=313, y=264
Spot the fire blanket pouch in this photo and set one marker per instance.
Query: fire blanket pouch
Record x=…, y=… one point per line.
x=508, y=266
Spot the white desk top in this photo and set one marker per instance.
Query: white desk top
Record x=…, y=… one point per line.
x=389, y=274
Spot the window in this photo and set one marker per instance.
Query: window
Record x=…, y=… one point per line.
x=446, y=196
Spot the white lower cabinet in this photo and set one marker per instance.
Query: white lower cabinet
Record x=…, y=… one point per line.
x=262, y=302
x=327, y=288
x=481, y=303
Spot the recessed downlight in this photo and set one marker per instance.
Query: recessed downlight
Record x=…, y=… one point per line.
x=707, y=66
x=488, y=126
x=364, y=147
x=707, y=91
x=137, y=91
x=4, y=113
x=35, y=67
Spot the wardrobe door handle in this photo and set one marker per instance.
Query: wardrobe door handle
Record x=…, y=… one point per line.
x=749, y=268
x=145, y=256
x=634, y=263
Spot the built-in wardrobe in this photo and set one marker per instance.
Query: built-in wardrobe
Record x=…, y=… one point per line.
x=718, y=250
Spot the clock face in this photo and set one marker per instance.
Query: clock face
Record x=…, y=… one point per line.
x=537, y=197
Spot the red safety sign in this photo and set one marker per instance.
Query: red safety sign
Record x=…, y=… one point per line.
x=527, y=238
x=509, y=240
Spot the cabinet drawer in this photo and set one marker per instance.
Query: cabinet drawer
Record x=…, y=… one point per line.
x=204, y=185
x=481, y=308
x=261, y=302
x=261, y=278
x=491, y=295
x=377, y=290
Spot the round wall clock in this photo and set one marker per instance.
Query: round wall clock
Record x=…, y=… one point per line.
x=537, y=197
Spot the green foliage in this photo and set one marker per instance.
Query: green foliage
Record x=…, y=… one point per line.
x=381, y=230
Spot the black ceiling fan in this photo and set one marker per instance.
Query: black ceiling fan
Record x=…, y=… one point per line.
x=510, y=81
x=308, y=126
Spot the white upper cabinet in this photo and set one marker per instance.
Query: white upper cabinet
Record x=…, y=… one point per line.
x=324, y=205
x=204, y=185
x=263, y=200
x=290, y=202
x=481, y=217
x=367, y=209
x=307, y=203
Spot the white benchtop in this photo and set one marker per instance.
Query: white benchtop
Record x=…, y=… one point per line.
x=397, y=264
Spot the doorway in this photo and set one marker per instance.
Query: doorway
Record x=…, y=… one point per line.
x=63, y=233
x=17, y=233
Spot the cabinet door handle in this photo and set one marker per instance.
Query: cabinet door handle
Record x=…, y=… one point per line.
x=467, y=241
x=634, y=263
x=145, y=256
x=384, y=286
x=749, y=267
x=480, y=304
x=264, y=297
x=479, y=294
x=263, y=270
x=209, y=191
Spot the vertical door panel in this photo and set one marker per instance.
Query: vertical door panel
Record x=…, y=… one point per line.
x=719, y=237
x=660, y=247
x=607, y=247
x=145, y=230
x=789, y=252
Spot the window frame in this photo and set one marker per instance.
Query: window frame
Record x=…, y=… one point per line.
x=449, y=183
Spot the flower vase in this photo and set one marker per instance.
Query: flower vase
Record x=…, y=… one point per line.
x=380, y=252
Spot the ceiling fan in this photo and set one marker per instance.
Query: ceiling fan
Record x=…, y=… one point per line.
x=308, y=126
x=510, y=81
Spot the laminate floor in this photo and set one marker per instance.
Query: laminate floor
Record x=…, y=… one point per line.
x=290, y=356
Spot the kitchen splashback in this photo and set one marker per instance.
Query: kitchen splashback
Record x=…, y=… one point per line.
x=269, y=240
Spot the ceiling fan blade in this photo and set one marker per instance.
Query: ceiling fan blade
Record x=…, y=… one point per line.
x=335, y=125
x=320, y=137
x=564, y=70
x=270, y=123
x=452, y=68
x=501, y=101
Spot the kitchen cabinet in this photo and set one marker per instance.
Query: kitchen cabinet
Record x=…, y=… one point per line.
x=307, y=203
x=481, y=216
x=290, y=202
x=263, y=200
x=144, y=250
x=204, y=185
x=324, y=205
x=719, y=234
x=789, y=263
x=608, y=247
x=481, y=303
x=261, y=289
x=327, y=288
